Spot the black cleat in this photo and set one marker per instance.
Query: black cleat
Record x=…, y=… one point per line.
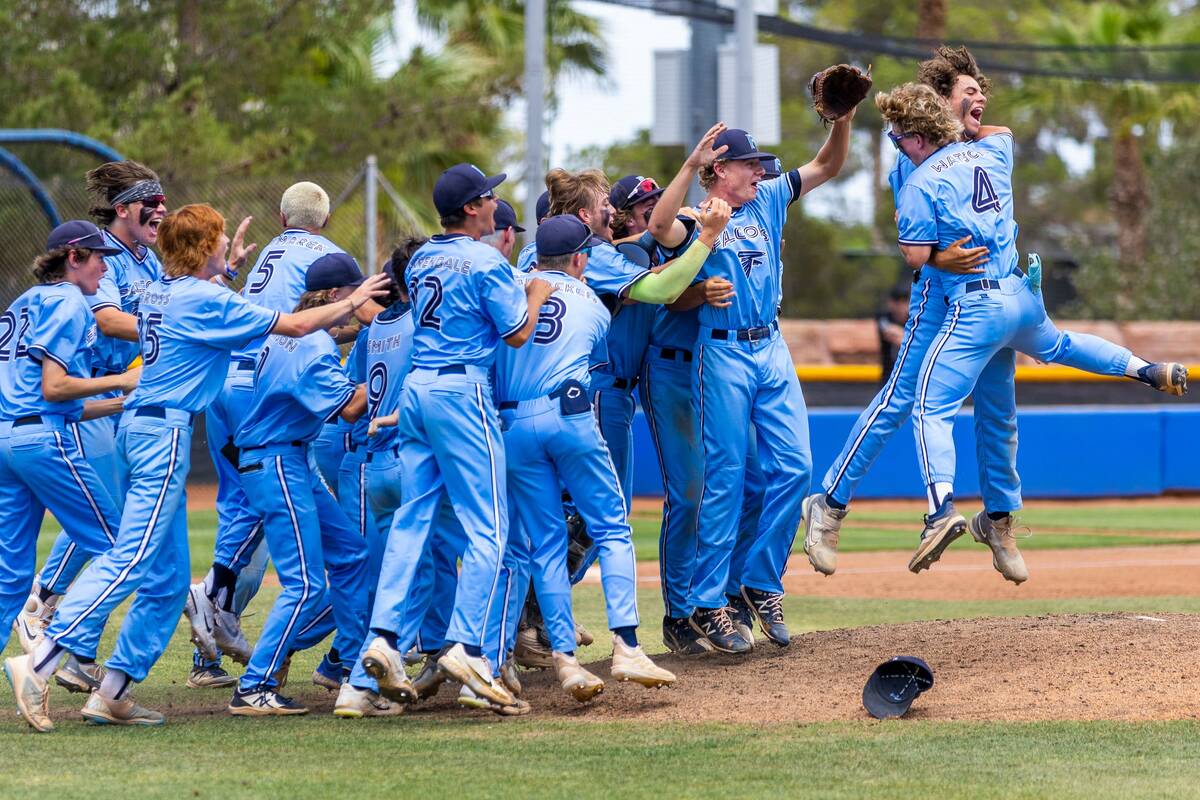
x=768, y=609
x=741, y=616
x=681, y=640
x=714, y=625
x=1167, y=377
x=941, y=529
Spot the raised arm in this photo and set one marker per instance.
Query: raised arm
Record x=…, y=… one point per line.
x=302, y=323
x=830, y=159
x=663, y=225
x=676, y=276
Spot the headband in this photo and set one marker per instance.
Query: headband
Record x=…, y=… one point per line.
x=139, y=191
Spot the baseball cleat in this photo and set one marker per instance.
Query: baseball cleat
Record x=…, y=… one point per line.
x=531, y=652
x=509, y=676
x=430, y=678
x=30, y=625
x=941, y=529
x=768, y=610
x=383, y=663
x=280, y=675
x=227, y=630
x=210, y=677
x=577, y=681
x=741, y=616
x=632, y=664
x=681, y=640
x=329, y=674
x=100, y=710
x=998, y=536
x=77, y=677
x=474, y=671
x=32, y=693
x=1167, y=377
x=201, y=618
x=355, y=703
x=263, y=703
x=583, y=637
x=469, y=699
x=822, y=527
x=716, y=628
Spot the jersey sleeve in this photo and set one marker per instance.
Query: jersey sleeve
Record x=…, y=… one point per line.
x=502, y=297
x=899, y=176
x=1001, y=143
x=691, y=231
x=527, y=258
x=58, y=331
x=109, y=293
x=230, y=320
x=324, y=387
x=917, y=216
x=609, y=272
x=356, y=362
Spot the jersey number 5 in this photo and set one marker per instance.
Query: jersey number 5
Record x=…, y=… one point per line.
x=146, y=325
x=985, y=197
x=263, y=273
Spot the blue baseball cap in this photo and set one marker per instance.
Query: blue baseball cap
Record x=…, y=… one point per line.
x=461, y=184
x=543, y=206
x=562, y=236
x=742, y=146
x=894, y=685
x=82, y=234
x=332, y=271
x=506, y=217
x=632, y=189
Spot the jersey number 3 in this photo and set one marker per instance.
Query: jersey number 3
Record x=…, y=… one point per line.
x=551, y=316
x=985, y=197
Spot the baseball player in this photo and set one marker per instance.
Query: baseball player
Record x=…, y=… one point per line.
x=298, y=385
x=528, y=255
x=744, y=374
x=47, y=338
x=129, y=202
x=956, y=77
x=188, y=326
x=466, y=300
x=504, y=239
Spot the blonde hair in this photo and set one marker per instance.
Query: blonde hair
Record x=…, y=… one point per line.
x=305, y=205
x=188, y=237
x=917, y=108
x=570, y=192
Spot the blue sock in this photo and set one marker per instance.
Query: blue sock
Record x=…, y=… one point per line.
x=628, y=635
x=473, y=650
x=388, y=636
x=829, y=501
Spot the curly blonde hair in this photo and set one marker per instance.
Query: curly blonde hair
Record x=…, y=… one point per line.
x=571, y=192
x=917, y=108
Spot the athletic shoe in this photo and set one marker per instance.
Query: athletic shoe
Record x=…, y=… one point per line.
x=530, y=651
x=1168, y=377
x=583, y=637
x=77, y=677
x=263, y=703
x=941, y=529
x=469, y=699
x=998, y=536
x=715, y=627
x=281, y=674
x=329, y=674
x=681, y=640
x=210, y=677
x=741, y=616
x=383, y=663
x=30, y=625
x=227, y=630
x=476, y=672
x=509, y=676
x=768, y=610
x=430, y=678
x=577, y=681
x=355, y=703
x=822, y=526
x=32, y=693
x=100, y=710
x=201, y=618
x=632, y=664
x=579, y=543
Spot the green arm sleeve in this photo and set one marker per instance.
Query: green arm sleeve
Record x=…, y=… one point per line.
x=665, y=287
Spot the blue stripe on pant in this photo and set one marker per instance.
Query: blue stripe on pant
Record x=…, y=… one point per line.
x=41, y=468
x=329, y=449
x=740, y=383
x=150, y=555
x=352, y=497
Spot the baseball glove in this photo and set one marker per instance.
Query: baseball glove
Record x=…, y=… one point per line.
x=838, y=89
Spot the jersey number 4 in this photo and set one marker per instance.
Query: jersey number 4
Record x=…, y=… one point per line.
x=984, y=197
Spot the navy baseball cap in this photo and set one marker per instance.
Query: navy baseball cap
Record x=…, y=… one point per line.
x=506, y=217
x=543, y=206
x=894, y=685
x=742, y=146
x=82, y=234
x=331, y=271
x=461, y=184
x=562, y=236
x=632, y=189
x=773, y=167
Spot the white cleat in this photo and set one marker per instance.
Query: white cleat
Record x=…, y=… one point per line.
x=468, y=699
x=632, y=664
x=227, y=630
x=30, y=625
x=822, y=529
x=102, y=711
x=201, y=617
x=998, y=536
x=355, y=703
x=32, y=693
x=386, y=665
x=77, y=677
x=476, y=672
x=577, y=681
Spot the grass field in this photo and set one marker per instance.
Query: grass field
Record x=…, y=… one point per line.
x=204, y=753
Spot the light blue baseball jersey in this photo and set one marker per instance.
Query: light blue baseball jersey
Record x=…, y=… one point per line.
x=277, y=280
x=677, y=329
x=466, y=298
x=527, y=258
x=129, y=273
x=389, y=357
x=629, y=334
x=299, y=385
x=899, y=175
x=187, y=328
x=568, y=342
x=747, y=254
x=964, y=189
x=356, y=370
x=51, y=321
x=609, y=272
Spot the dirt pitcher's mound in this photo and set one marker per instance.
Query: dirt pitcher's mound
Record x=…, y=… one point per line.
x=1099, y=666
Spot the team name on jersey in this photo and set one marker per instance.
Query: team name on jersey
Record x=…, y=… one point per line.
x=741, y=233
x=562, y=287
x=286, y=342
x=965, y=156
x=156, y=298
x=444, y=262
x=377, y=347
x=301, y=240
x=91, y=336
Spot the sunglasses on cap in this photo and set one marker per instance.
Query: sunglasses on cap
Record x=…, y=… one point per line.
x=898, y=137
x=644, y=186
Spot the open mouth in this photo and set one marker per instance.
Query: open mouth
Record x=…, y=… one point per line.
x=977, y=113
x=154, y=223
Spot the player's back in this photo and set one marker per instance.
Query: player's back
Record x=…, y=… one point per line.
x=465, y=298
x=288, y=387
x=389, y=356
x=567, y=343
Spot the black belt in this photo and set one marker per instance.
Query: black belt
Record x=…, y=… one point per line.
x=982, y=285
x=675, y=354
x=158, y=412
x=509, y=405
x=624, y=384
x=394, y=450
x=32, y=419
x=453, y=369
x=293, y=443
x=244, y=363
x=746, y=334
